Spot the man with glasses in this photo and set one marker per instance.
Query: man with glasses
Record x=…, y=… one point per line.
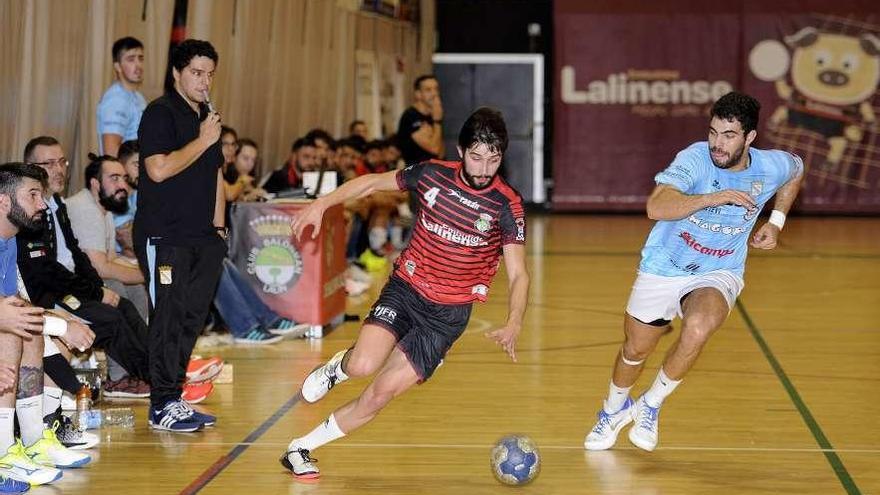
x=121, y=106
x=57, y=273
x=179, y=227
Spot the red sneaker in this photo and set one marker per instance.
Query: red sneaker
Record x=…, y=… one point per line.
x=196, y=392
x=203, y=370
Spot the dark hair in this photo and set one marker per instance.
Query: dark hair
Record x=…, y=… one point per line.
x=376, y=144
x=316, y=134
x=227, y=130
x=123, y=45
x=418, y=83
x=127, y=150
x=189, y=49
x=354, y=142
x=392, y=140
x=13, y=174
x=486, y=126
x=355, y=123
x=303, y=141
x=740, y=107
x=245, y=142
x=93, y=169
x=38, y=141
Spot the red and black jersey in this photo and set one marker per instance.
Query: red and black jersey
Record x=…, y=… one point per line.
x=459, y=233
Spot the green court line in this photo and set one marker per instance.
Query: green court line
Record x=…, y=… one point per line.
x=836, y=464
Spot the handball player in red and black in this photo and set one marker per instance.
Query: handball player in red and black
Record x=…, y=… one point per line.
x=469, y=218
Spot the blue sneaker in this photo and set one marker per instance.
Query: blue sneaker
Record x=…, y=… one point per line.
x=9, y=485
x=285, y=328
x=258, y=336
x=205, y=419
x=176, y=416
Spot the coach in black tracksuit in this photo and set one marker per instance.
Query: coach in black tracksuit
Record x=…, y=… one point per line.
x=119, y=330
x=179, y=222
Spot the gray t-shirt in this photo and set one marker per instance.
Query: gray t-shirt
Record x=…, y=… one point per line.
x=93, y=229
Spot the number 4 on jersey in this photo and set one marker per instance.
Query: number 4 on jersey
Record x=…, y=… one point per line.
x=431, y=196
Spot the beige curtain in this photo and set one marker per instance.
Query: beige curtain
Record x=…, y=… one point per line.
x=287, y=66
x=56, y=59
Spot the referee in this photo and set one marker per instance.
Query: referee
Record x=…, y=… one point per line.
x=179, y=227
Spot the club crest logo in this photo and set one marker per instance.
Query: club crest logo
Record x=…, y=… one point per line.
x=484, y=223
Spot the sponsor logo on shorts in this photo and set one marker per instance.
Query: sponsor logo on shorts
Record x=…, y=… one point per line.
x=450, y=234
x=384, y=313
x=716, y=227
x=705, y=250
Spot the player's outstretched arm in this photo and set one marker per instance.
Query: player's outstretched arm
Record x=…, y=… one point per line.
x=767, y=235
x=518, y=288
x=356, y=188
x=668, y=203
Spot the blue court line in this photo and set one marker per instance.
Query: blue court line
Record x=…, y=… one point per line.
x=223, y=462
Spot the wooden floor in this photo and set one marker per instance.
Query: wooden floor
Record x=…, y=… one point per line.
x=786, y=399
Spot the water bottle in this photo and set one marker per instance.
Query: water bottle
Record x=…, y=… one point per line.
x=118, y=416
x=101, y=418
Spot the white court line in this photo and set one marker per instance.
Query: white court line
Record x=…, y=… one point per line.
x=487, y=447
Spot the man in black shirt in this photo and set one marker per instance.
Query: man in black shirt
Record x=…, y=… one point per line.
x=420, y=130
x=179, y=225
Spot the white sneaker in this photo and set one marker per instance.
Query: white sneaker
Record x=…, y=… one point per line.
x=323, y=378
x=645, y=433
x=604, y=433
x=48, y=451
x=298, y=462
x=17, y=465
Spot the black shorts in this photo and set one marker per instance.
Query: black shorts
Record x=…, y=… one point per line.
x=424, y=330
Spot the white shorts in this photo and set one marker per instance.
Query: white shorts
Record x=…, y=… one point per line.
x=655, y=297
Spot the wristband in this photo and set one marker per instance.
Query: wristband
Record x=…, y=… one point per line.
x=777, y=218
x=54, y=326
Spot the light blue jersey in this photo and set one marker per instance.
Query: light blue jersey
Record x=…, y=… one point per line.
x=714, y=238
x=119, y=112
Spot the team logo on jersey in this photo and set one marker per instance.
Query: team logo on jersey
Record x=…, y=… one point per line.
x=716, y=185
x=757, y=188
x=480, y=289
x=484, y=223
x=272, y=259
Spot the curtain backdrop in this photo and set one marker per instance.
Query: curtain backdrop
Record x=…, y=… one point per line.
x=286, y=66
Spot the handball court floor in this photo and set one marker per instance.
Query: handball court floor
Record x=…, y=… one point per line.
x=785, y=399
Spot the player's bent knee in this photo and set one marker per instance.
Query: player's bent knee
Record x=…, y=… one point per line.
x=633, y=355
x=359, y=366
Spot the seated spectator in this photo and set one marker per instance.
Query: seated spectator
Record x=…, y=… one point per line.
x=248, y=318
x=302, y=158
x=56, y=272
x=129, y=156
x=91, y=217
x=240, y=175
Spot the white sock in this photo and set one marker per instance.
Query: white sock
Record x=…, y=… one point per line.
x=378, y=236
x=30, y=419
x=325, y=433
x=662, y=387
x=51, y=400
x=616, y=398
x=7, y=422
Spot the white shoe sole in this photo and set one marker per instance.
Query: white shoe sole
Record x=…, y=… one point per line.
x=205, y=374
x=640, y=443
x=608, y=442
x=311, y=400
